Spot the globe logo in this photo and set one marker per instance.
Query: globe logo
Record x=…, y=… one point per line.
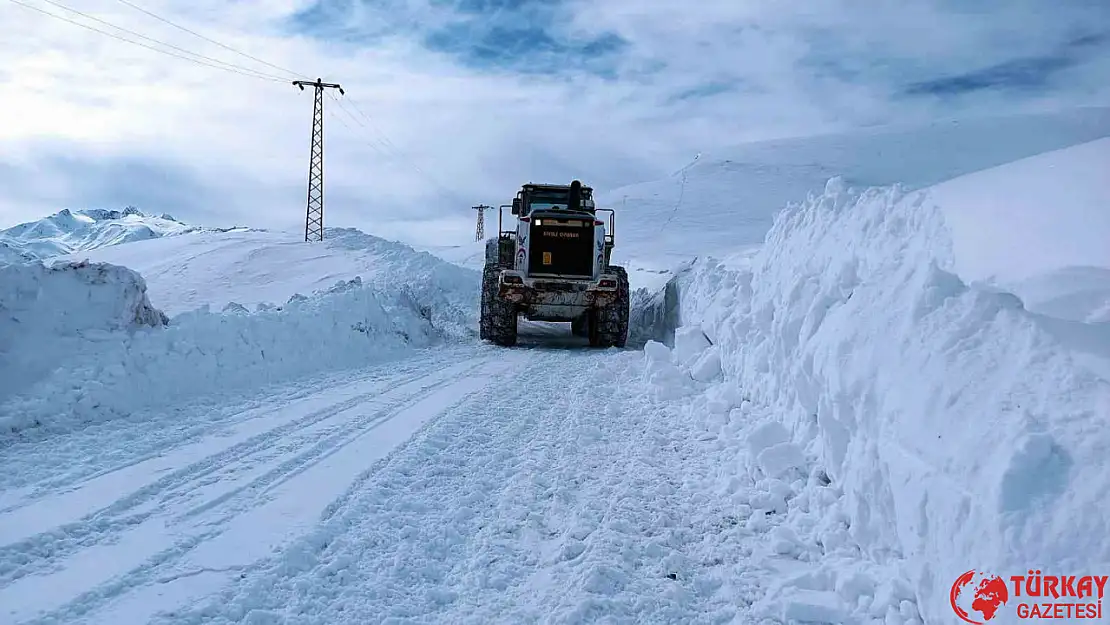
x=979, y=595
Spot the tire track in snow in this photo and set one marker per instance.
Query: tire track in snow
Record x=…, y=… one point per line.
x=447, y=530
x=77, y=451
x=325, y=446
x=18, y=522
x=110, y=522
x=566, y=497
x=234, y=544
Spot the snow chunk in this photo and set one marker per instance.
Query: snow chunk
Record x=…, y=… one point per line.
x=707, y=367
x=657, y=352
x=767, y=435
x=778, y=460
x=812, y=606
x=689, y=343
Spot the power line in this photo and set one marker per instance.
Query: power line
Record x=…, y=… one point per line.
x=397, y=152
x=229, y=67
x=168, y=45
x=381, y=149
x=351, y=117
x=337, y=118
x=385, y=146
x=354, y=104
x=210, y=40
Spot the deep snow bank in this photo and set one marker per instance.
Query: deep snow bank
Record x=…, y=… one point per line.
x=101, y=371
x=962, y=431
x=47, y=313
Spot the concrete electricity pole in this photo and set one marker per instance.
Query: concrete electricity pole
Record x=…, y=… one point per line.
x=314, y=214
x=480, y=232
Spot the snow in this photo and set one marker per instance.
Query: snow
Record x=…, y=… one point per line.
x=69, y=231
x=724, y=203
x=50, y=312
x=213, y=355
x=854, y=329
x=220, y=502
x=527, y=509
x=471, y=255
x=86, y=366
x=253, y=267
x=853, y=409
x=1038, y=228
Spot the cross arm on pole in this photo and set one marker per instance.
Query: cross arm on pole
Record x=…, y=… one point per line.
x=319, y=84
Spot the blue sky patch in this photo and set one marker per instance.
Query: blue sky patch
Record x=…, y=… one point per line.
x=527, y=36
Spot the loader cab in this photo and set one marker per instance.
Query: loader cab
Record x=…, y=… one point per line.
x=534, y=197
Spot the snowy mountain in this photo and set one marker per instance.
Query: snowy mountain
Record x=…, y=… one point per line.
x=70, y=231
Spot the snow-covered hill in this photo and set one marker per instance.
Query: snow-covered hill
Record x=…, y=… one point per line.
x=1037, y=227
x=245, y=307
x=725, y=202
x=70, y=231
x=252, y=267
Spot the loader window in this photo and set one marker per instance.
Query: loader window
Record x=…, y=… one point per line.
x=541, y=201
x=548, y=205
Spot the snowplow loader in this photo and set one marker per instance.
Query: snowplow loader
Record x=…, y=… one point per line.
x=554, y=266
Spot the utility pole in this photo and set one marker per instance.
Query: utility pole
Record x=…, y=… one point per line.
x=314, y=214
x=480, y=232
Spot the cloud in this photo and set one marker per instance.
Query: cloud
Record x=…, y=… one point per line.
x=457, y=102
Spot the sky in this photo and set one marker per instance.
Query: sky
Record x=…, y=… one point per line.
x=452, y=103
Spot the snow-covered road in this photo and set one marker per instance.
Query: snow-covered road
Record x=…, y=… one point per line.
x=157, y=528
x=443, y=522
x=547, y=483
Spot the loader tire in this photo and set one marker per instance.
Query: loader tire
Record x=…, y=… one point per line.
x=498, y=317
x=608, y=326
x=492, y=251
x=499, y=252
x=580, y=326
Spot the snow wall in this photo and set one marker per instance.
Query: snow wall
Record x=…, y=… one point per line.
x=80, y=342
x=961, y=431
x=49, y=312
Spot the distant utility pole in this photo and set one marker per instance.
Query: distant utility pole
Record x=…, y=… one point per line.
x=480, y=232
x=314, y=216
